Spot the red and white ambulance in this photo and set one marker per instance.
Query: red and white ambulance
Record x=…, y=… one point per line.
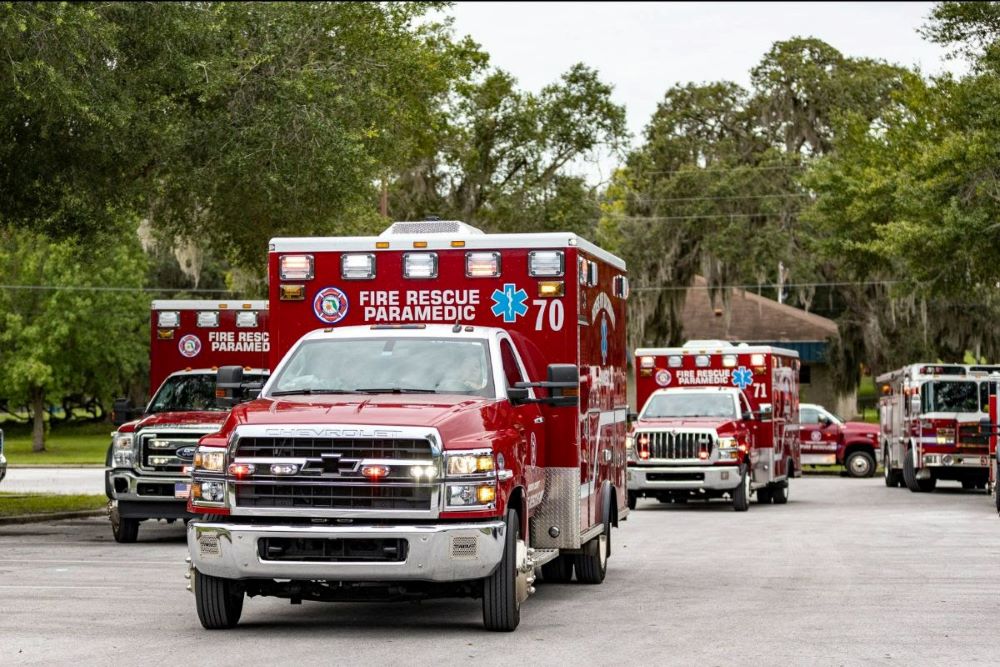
x=448, y=414
x=149, y=460
x=930, y=418
x=716, y=420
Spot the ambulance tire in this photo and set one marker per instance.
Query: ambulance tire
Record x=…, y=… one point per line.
x=633, y=498
x=592, y=564
x=559, y=570
x=779, y=493
x=219, y=601
x=126, y=531
x=741, y=494
x=501, y=610
x=764, y=496
x=996, y=492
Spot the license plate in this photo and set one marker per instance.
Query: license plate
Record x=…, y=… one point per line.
x=182, y=490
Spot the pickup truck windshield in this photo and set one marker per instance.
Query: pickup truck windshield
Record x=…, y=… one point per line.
x=684, y=404
x=387, y=365
x=949, y=396
x=182, y=393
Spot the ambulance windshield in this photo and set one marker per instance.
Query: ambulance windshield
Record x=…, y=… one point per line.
x=949, y=396
x=387, y=365
x=190, y=392
x=690, y=404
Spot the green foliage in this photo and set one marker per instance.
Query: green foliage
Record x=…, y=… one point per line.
x=25, y=504
x=63, y=338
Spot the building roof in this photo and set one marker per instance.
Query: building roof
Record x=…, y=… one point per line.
x=749, y=318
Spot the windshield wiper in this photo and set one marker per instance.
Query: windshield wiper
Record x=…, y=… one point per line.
x=394, y=390
x=307, y=392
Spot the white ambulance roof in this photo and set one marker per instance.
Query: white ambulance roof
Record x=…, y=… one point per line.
x=213, y=371
x=438, y=234
x=207, y=304
x=403, y=331
x=713, y=347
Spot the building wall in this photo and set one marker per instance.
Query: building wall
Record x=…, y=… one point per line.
x=820, y=390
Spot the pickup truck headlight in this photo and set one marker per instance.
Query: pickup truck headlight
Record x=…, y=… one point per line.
x=210, y=460
x=727, y=443
x=469, y=464
x=122, y=452
x=471, y=495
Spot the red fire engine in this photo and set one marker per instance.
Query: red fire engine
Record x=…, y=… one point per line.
x=149, y=460
x=930, y=418
x=447, y=416
x=717, y=419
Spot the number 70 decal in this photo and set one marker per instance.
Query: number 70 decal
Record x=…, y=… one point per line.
x=556, y=314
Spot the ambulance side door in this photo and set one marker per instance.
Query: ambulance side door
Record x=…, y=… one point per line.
x=530, y=423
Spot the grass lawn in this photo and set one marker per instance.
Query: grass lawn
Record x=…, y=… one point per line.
x=69, y=445
x=15, y=504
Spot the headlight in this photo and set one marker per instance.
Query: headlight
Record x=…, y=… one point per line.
x=210, y=460
x=212, y=492
x=629, y=443
x=727, y=443
x=471, y=495
x=469, y=464
x=122, y=455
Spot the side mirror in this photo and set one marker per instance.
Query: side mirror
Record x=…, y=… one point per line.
x=518, y=394
x=122, y=411
x=228, y=386
x=563, y=384
x=632, y=417
x=749, y=416
x=825, y=421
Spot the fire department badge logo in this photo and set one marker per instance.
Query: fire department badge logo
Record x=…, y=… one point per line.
x=189, y=346
x=816, y=436
x=663, y=378
x=330, y=305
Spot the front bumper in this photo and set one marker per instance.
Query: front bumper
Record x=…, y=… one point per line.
x=440, y=552
x=683, y=478
x=128, y=486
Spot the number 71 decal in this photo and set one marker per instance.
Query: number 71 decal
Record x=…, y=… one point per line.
x=759, y=391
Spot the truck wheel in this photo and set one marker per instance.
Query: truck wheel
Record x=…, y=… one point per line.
x=860, y=464
x=501, y=608
x=764, y=496
x=558, y=570
x=893, y=477
x=779, y=493
x=633, y=498
x=741, y=494
x=909, y=473
x=592, y=564
x=219, y=601
x=126, y=531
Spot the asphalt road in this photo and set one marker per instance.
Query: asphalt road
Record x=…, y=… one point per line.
x=63, y=480
x=848, y=573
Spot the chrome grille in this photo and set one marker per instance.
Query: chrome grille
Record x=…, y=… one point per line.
x=330, y=474
x=674, y=445
x=157, y=445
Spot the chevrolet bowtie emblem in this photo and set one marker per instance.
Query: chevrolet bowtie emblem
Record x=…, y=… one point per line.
x=331, y=463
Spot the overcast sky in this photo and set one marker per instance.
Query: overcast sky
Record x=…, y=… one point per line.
x=644, y=48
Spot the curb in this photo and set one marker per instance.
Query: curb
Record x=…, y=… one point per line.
x=12, y=466
x=50, y=516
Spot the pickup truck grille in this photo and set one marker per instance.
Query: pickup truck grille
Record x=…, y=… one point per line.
x=973, y=435
x=167, y=452
x=330, y=477
x=674, y=445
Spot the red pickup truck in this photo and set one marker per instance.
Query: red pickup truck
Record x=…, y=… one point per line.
x=829, y=440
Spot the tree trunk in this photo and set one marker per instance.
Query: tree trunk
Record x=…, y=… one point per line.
x=38, y=424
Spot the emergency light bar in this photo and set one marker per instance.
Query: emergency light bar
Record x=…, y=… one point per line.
x=675, y=361
x=357, y=266
x=208, y=319
x=297, y=267
x=729, y=361
x=168, y=319
x=246, y=319
x=546, y=263
x=420, y=265
x=482, y=264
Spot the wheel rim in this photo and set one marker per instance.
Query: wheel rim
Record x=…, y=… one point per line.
x=885, y=464
x=860, y=466
x=602, y=550
x=746, y=485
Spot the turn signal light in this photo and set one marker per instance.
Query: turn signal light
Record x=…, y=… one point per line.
x=486, y=494
x=552, y=288
x=293, y=292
